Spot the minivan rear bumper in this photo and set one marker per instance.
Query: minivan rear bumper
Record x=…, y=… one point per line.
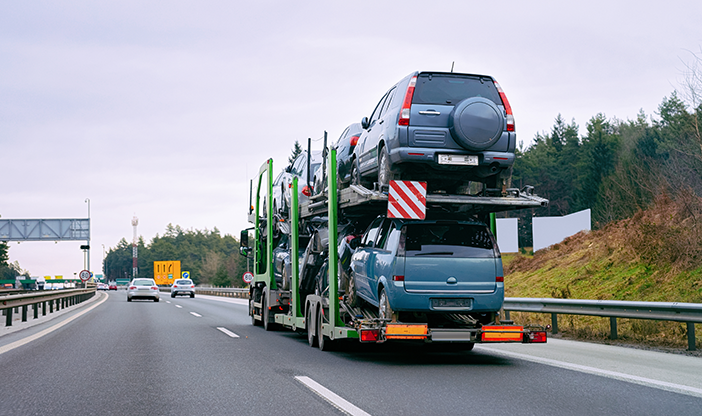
x=402, y=300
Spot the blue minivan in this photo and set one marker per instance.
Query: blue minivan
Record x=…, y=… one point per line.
x=427, y=266
x=439, y=127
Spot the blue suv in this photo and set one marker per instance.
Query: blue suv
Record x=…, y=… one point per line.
x=412, y=266
x=444, y=128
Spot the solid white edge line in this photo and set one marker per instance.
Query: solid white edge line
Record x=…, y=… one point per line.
x=649, y=382
x=331, y=397
x=228, y=332
x=49, y=330
x=196, y=314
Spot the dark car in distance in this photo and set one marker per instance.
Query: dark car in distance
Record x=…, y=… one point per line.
x=445, y=128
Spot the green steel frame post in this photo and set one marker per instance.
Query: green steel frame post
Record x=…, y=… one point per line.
x=294, y=251
x=267, y=169
x=493, y=224
x=334, y=316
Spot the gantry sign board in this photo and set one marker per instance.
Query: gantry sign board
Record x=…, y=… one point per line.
x=58, y=229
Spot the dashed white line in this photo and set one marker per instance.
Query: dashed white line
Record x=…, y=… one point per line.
x=333, y=398
x=196, y=314
x=228, y=332
x=178, y=306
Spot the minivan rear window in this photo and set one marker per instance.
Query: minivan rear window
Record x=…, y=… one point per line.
x=447, y=240
x=451, y=89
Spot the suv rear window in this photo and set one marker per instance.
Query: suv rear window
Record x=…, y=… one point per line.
x=447, y=240
x=452, y=89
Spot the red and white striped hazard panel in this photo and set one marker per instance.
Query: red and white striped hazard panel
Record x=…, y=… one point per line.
x=407, y=199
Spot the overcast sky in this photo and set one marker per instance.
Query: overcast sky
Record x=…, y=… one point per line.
x=164, y=110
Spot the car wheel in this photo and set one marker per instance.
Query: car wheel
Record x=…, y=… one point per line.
x=323, y=342
x=351, y=294
x=356, y=178
x=385, y=174
x=309, y=322
x=192, y=295
x=254, y=321
x=156, y=299
x=384, y=309
x=129, y=299
x=173, y=295
x=267, y=325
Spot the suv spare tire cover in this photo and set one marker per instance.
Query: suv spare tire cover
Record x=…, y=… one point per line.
x=476, y=123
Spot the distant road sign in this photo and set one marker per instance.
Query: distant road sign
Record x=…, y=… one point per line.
x=84, y=275
x=248, y=277
x=185, y=275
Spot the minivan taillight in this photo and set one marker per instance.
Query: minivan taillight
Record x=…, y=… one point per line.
x=508, y=108
x=405, y=111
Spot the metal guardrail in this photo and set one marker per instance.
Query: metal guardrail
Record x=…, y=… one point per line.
x=690, y=313
x=57, y=299
x=232, y=292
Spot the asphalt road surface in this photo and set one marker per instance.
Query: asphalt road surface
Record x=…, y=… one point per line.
x=202, y=356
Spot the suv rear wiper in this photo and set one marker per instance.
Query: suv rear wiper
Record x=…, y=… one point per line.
x=436, y=253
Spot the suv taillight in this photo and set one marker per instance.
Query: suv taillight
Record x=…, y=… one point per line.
x=508, y=108
x=354, y=141
x=405, y=111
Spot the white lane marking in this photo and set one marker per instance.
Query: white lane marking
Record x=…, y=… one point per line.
x=331, y=397
x=238, y=301
x=178, y=306
x=649, y=382
x=196, y=314
x=168, y=301
x=49, y=330
x=228, y=332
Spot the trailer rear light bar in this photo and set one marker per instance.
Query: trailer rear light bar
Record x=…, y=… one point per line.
x=502, y=334
x=406, y=331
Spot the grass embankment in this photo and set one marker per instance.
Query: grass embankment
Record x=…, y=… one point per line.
x=654, y=256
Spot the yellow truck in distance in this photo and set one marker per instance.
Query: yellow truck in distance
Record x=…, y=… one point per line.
x=165, y=272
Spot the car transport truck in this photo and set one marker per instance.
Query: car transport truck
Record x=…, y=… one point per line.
x=347, y=265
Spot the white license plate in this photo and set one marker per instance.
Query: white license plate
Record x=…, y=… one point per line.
x=466, y=160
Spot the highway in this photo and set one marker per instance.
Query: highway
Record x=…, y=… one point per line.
x=202, y=356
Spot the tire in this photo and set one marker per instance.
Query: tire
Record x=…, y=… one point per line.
x=267, y=325
x=385, y=173
x=156, y=299
x=286, y=278
x=129, y=299
x=351, y=294
x=384, y=309
x=173, y=295
x=192, y=295
x=254, y=321
x=309, y=321
x=476, y=123
x=356, y=178
x=323, y=342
